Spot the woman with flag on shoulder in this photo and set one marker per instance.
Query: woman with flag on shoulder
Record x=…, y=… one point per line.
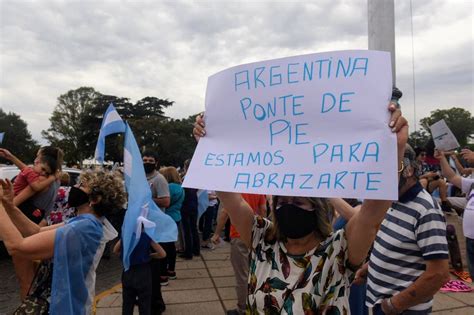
x=74, y=247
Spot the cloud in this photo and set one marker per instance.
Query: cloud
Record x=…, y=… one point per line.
x=168, y=49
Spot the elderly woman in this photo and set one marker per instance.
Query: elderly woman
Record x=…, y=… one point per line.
x=297, y=264
x=74, y=247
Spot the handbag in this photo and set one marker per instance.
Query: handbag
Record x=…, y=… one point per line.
x=33, y=305
x=36, y=302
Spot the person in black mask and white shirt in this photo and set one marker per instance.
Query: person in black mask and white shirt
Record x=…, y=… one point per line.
x=297, y=265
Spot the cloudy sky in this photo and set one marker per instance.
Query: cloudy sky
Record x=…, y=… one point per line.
x=168, y=49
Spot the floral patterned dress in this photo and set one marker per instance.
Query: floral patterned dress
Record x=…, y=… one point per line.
x=61, y=211
x=314, y=283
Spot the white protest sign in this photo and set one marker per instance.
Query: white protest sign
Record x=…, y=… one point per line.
x=443, y=137
x=311, y=125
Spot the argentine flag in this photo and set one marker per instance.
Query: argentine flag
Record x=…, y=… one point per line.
x=141, y=210
x=1, y=137
x=112, y=123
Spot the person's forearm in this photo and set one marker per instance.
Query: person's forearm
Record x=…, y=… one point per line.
x=10, y=234
x=24, y=225
x=221, y=220
x=17, y=162
x=446, y=169
x=117, y=248
x=39, y=185
x=163, y=202
x=343, y=208
x=423, y=289
x=362, y=228
x=448, y=172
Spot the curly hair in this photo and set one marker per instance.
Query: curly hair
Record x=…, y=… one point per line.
x=323, y=212
x=108, y=186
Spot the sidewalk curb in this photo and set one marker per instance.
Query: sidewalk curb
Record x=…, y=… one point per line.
x=104, y=294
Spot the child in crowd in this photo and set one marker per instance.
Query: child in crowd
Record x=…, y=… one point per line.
x=136, y=281
x=38, y=177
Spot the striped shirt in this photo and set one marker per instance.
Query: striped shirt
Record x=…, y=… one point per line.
x=413, y=231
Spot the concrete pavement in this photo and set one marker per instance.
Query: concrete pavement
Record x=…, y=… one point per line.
x=206, y=286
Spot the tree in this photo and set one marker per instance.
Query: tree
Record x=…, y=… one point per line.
x=419, y=139
x=66, y=129
x=17, y=138
x=144, y=118
x=458, y=120
x=176, y=143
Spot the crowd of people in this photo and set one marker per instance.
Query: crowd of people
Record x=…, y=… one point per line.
x=290, y=254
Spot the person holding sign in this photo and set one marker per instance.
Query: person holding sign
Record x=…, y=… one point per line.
x=297, y=264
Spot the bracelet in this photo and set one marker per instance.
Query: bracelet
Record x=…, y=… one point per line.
x=393, y=309
x=402, y=167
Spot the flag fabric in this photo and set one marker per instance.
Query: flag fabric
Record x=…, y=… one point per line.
x=78, y=246
x=1, y=137
x=141, y=210
x=112, y=123
x=203, y=201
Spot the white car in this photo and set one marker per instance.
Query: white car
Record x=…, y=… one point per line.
x=10, y=172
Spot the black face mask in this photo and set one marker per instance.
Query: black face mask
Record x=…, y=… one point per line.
x=149, y=167
x=77, y=197
x=295, y=222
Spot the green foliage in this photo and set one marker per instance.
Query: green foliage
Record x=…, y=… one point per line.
x=17, y=138
x=176, y=143
x=76, y=121
x=459, y=120
x=419, y=139
x=66, y=129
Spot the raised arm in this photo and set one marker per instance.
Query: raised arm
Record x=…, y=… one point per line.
x=446, y=170
x=38, y=246
x=239, y=211
x=343, y=208
x=12, y=158
x=362, y=228
x=18, y=218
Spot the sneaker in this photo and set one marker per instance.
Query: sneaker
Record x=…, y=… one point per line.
x=208, y=245
x=171, y=275
x=164, y=281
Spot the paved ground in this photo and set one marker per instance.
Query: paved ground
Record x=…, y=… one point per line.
x=205, y=286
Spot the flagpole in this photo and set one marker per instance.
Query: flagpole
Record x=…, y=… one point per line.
x=381, y=28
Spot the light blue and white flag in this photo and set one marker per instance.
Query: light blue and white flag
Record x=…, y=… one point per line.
x=1, y=137
x=203, y=201
x=142, y=210
x=112, y=123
